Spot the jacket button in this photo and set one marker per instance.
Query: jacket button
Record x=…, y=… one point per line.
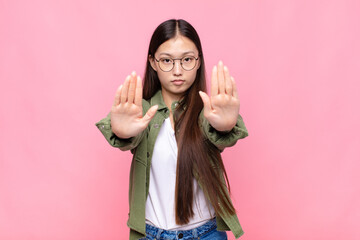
x=148, y=154
x=156, y=125
x=180, y=235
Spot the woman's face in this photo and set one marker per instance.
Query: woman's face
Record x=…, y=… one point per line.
x=176, y=81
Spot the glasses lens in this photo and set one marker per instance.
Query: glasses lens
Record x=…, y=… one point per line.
x=188, y=62
x=166, y=64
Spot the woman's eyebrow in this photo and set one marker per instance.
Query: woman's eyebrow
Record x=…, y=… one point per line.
x=184, y=53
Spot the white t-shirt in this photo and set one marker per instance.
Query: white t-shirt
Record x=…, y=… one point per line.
x=160, y=203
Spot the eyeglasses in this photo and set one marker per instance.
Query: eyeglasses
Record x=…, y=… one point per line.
x=166, y=64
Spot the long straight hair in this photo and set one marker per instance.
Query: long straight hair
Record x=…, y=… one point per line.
x=196, y=155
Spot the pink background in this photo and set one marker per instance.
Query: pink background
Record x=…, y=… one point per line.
x=297, y=68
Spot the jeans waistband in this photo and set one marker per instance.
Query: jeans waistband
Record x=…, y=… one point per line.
x=181, y=234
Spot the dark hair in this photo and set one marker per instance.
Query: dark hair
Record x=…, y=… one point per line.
x=196, y=155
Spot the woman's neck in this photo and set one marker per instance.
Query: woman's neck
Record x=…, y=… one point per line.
x=169, y=98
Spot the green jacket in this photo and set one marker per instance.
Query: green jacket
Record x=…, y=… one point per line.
x=142, y=147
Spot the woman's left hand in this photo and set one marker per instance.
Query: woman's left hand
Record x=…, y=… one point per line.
x=222, y=109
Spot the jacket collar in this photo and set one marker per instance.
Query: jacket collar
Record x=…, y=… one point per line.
x=159, y=100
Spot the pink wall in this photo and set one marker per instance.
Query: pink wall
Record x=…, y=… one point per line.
x=297, y=67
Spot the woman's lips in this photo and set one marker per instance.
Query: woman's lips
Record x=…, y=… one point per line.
x=178, y=82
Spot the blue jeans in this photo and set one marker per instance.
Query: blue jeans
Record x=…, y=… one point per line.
x=207, y=231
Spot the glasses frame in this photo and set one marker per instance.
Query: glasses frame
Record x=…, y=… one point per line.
x=173, y=59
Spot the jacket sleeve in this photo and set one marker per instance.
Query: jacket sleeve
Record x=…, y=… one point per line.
x=223, y=139
x=104, y=125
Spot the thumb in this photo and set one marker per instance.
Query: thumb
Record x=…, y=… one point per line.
x=149, y=115
x=206, y=100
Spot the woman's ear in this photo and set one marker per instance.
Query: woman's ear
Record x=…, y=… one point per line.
x=152, y=62
x=198, y=64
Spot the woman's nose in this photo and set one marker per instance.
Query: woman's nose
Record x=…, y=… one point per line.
x=177, y=67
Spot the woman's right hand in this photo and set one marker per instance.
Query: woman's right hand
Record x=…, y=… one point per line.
x=126, y=113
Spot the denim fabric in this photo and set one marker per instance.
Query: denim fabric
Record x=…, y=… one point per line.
x=206, y=231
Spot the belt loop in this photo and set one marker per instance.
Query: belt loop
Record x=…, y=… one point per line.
x=195, y=233
x=159, y=233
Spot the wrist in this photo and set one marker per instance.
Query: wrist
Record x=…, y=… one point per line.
x=121, y=135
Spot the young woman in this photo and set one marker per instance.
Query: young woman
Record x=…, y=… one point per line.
x=176, y=133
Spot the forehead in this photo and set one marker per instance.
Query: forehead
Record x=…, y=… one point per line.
x=177, y=46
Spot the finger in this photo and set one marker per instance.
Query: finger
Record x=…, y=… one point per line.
x=149, y=115
x=124, y=90
x=206, y=100
x=214, y=82
x=132, y=86
x=228, y=83
x=138, y=92
x=221, y=80
x=117, y=96
x=235, y=92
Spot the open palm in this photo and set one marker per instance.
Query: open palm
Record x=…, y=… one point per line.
x=127, y=118
x=222, y=109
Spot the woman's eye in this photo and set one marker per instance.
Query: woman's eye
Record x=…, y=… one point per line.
x=188, y=59
x=166, y=60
